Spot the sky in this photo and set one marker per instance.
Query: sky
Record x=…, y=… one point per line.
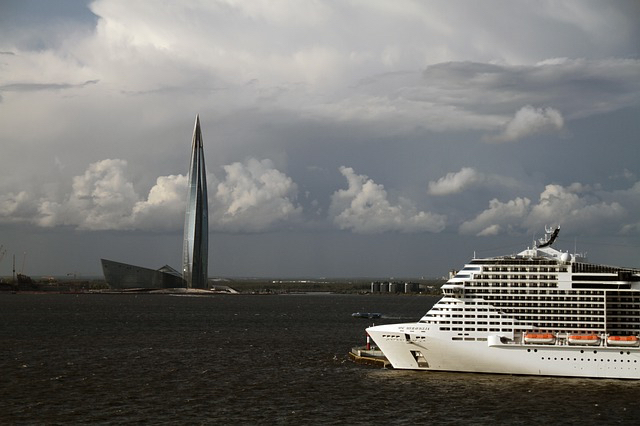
x=354, y=138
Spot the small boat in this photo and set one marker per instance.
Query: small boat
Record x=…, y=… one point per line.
x=540, y=338
x=584, y=339
x=368, y=315
x=622, y=341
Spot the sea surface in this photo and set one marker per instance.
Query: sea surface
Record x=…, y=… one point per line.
x=244, y=359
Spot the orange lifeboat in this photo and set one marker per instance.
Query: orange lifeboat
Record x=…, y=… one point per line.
x=540, y=338
x=584, y=339
x=622, y=341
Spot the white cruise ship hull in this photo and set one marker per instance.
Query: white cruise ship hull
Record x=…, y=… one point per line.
x=415, y=346
x=538, y=312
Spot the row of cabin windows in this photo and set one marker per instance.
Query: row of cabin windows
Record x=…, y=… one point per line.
x=548, y=328
x=503, y=268
x=533, y=278
x=536, y=319
x=474, y=322
x=622, y=321
x=529, y=295
x=554, y=311
x=539, y=312
x=505, y=330
x=492, y=298
x=583, y=318
x=552, y=301
x=468, y=309
x=471, y=291
x=546, y=306
x=582, y=294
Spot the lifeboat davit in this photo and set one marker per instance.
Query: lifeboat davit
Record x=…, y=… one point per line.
x=584, y=339
x=539, y=338
x=622, y=341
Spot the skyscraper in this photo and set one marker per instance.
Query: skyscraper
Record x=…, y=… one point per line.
x=195, y=252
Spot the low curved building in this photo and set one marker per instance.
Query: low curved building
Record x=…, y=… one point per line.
x=124, y=276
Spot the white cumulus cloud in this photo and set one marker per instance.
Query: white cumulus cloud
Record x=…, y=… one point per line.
x=579, y=205
x=102, y=198
x=467, y=178
x=364, y=208
x=253, y=197
x=164, y=207
x=497, y=218
x=530, y=121
x=575, y=204
x=17, y=208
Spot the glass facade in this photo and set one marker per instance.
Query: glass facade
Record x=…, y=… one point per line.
x=195, y=254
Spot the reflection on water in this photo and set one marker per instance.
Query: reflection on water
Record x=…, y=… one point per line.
x=254, y=359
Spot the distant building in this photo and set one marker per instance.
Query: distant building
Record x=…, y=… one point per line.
x=394, y=287
x=195, y=255
x=121, y=275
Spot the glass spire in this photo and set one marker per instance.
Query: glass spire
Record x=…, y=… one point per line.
x=195, y=253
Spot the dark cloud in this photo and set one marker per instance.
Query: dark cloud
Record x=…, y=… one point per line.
x=34, y=87
x=560, y=83
x=42, y=24
x=399, y=99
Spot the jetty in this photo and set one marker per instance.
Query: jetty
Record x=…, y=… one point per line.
x=370, y=356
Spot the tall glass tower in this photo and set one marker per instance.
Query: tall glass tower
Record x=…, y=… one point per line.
x=195, y=252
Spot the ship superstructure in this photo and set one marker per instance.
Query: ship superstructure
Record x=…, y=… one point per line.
x=541, y=311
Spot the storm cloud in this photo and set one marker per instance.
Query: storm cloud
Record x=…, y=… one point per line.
x=332, y=122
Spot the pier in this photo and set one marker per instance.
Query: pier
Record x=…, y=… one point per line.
x=375, y=357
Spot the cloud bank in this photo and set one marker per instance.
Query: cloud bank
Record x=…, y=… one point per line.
x=364, y=208
x=256, y=197
x=466, y=125
x=578, y=205
x=253, y=197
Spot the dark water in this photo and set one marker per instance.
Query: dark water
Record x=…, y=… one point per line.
x=112, y=359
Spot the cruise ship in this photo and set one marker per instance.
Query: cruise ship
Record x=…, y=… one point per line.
x=539, y=312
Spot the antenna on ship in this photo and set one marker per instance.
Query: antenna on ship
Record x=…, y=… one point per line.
x=550, y=237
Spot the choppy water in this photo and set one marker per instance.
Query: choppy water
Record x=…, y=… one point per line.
x=112, y=359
